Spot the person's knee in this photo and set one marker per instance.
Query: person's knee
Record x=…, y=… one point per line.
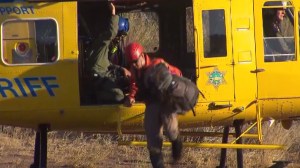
x=112, y=95
x=172, y=134
x=154, y=143
x=119, y=96
x=171, y=127
x=173, y=137
x=116, y=94
x=154, y=150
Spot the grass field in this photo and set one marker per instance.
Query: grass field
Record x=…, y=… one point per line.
x=80, y=150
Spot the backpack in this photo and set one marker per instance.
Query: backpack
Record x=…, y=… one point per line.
x=183, y=94
x=179, y=92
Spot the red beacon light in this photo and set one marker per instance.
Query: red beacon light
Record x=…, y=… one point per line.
x=22, y=48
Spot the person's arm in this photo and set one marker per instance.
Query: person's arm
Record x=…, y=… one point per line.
x=130, y=99
x=113, y=24
x=281, y=45
x=173, y=70
x=113, y=9
x=125, y=71
x=112, y=29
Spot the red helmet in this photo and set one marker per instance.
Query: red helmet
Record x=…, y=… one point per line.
x=133, y=51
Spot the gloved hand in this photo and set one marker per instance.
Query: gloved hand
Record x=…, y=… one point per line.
x=128, y=101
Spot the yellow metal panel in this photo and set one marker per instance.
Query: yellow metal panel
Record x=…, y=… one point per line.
x=243, y=51
x=242, y=23
x=63, y=73
x=11, y=33
x=69, y=31
x=244, y=56
x=210, y=145
x=215, y=73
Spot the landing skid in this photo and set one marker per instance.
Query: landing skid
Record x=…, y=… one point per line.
x=235, y=144
x=40, y=149
x=40, y=152
x=239, y=153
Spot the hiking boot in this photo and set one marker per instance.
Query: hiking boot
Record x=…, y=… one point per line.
x=157, y=160
x=176, y=149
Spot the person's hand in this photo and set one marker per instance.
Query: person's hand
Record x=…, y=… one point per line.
x=126, y=72
x=128, y=101
x=113, y=9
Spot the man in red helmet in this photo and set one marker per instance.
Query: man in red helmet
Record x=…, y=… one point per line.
x=158, y=114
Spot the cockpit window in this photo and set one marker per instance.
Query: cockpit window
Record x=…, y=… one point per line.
x=278, y=26
x=190, y=30
x=29, y=41
x=214, y=33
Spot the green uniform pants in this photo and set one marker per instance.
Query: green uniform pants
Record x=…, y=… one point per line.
x=107, y=91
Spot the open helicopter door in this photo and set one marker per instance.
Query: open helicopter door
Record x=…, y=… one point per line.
x=277, y=50
x=213, y=48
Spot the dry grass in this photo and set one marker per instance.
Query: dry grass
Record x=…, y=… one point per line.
x=73, y=149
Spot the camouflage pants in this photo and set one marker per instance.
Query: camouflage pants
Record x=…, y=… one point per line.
x=157, y=117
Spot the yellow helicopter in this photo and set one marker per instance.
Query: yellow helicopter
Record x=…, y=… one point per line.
x=245, y=75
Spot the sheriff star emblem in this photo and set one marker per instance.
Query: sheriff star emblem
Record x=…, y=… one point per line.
x=216, y=78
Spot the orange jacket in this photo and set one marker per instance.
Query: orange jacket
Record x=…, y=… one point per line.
x=136, y=75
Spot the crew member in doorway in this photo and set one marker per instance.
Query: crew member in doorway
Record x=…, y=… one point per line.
x=106, y=75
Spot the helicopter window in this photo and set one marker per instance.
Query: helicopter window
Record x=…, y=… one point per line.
x=29, y=41
x=190, y=30
x=214, y=33
x=150, y=38
x=278, y=25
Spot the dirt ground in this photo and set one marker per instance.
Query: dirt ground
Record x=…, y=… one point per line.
x=78, y=150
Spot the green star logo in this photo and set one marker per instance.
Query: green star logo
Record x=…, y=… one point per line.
x=216, y=78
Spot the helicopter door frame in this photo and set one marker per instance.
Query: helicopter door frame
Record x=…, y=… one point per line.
x=275, y=72
x=213, y=49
